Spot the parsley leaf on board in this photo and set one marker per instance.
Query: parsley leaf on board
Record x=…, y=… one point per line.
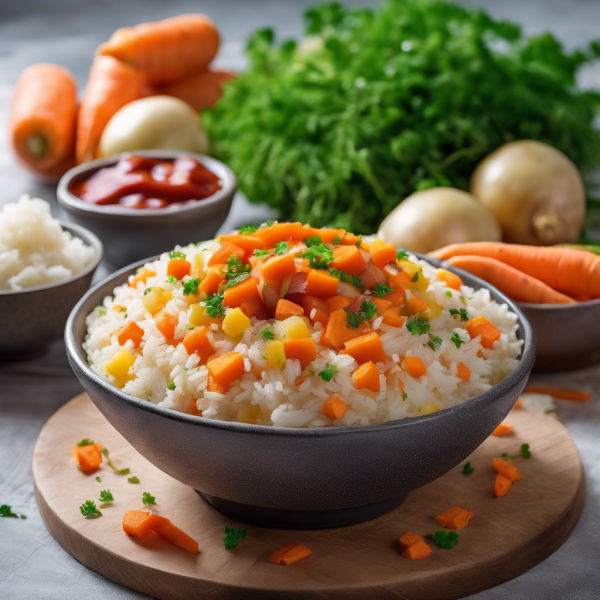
x=133, y=480
x=148, y=499
x=446, y=539
x=6, y=511
x=111, y=464
x=233, y=535
x=89, y=511
x=106, y=497
x=328, y=372
x=506, y=456
x=468, y=468
x=525, y=451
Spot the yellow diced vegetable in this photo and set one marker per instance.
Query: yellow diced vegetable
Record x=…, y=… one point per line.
x=198, y=265
x=155, y=299
x=429, y=408
x=118, y=366
x=236, y=322
x=249, y=413
x=295, y=328
x=275, y=354
x=435, y=309
x=198, y=316
x=411, y=269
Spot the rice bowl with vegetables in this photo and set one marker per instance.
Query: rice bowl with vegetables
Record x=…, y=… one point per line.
x=292, y=326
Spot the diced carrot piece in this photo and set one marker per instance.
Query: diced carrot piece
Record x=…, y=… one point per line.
x=302, y=349
x=213, y=279
x=463, y=372
x=501, y=486
x=506, y=468
x=397, y=298
x=416, y=551
x=275, y=270
x=215, y=386
x=247, y=242
x=338, y=331
x=392, y=317
x=238, y=294
x=336, y=302
x=381, y=304
x=255, y=307
x=227, y=368
x=166, y=323
x=289, y=554
x=481, y=326
x=416, y=305
x=130, y=331
x=334, y=408
x=321, y=312
x=410, y=539
x=142, y=276
x=518, y=403
x=280, y=232
x=450, y=279
x=454, y=518
x=319, y=283
x=179, y=268
x=326, y=341
x=226, y=250
x=88, y=457
x=414, y=366
x=193, y=409
x=365, y=348
x=367, y=377
x=382, y=253
x=349, y=260
x=327, y=235
x=503, y=429
x=286, y=309
x=398, y=278
x=350, y=239
x=137, y=522
x=173, y=534
x=197, y=341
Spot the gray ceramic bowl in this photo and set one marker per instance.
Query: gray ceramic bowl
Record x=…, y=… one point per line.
x=299, y=478
x=131, y=234
x=31, y=319
x=568, y=335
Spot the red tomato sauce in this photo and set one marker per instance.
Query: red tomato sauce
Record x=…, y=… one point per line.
x=138, y=182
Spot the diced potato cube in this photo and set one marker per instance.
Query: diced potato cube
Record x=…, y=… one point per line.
x=236, y=322
x=194, y=298
x=275, y=354
x=435, y=309
x=249, y=413
x=295, y=328
x=198, y=264
x=155, y=299
x=429, y=408
x=118, y=366
x=198, y=316
x=411, y=269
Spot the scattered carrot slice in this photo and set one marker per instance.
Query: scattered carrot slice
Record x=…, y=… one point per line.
x=336, y=302
x=130, y=331
x=367, y=377
x=481, y=326
x=410, y=539
x=197, y=341
x=501, y=486
x=392, y=317
x=88, y=457
x=168, y=531
x=287, y=555
x=192, y=408
x=416, y=551
x=503, y=429
x=137, y=522
x=507, y=469
x=563, y=394
x=245, y=291
x=414, y=366
x=454, y=518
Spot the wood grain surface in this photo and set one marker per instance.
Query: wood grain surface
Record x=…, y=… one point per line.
x=505, y=537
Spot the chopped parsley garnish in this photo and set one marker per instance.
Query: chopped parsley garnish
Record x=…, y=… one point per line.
x=369, y=309
x=237, y=279
x=456, y=340
x=468, y=468
x=171, y=279
x=400, y=254
x=337, y=240
x=353, y=280
x=248, y=229
x=233, y=535
x=147, y=290
x=102, y=309
x=6, y=512
x=506, y=456
x=525, y=451
x=268, y=224
x=358, y=244
x=85, y=442
x=214, y=306
x=98, y=480
x=448, y=293
x=462, y=312
x=382, y=290
x=417, y=326
x=148, y=499
x=235, y=266
x=318, y=256
x=171, y=385
x=191, y=327
x=446, y=539
x=416, y=276
x=354, y=320
x=191, y=287
x=112, y=465
x=404, y=396
x=89, y=511
x=463, y=299
x=179, y=255
x=435, y=342
x=328, y=372
x=133, y=480
x=267, y=334
x=281, y=248
x=261, y=253
x=106, y=497
x=313, y=241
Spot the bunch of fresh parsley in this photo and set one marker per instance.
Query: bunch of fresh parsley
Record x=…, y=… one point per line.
x=387, y=101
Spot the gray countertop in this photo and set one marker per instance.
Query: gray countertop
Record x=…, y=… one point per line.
x=32, y=564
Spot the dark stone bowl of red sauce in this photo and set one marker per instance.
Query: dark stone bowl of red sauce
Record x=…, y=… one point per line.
x=144, y=203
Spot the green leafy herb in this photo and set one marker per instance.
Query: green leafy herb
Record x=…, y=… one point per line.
x=328, y=372
x=106, y=497
x=337, y=240
x=235, y=266
x=446, y=539
x=358, y=244
x=267, y=334
x=85, y=442
x=191, y=327
x=448, y=293
x=214, y=306
x=416, y=276
x=171, y=279
x=177, y=255
x=191, y=286
x=281, y=248
x=368, y=309
x=98, y=480
x=468, y=468
x=435, y=343
x=238, y=279
x=456, y=340
x=463, y=300
x=248, y=229
x=353, y=320
x=233, y=535
x=418, y=326
x=133, y=480
x=382, y=290
x=313, y=241
x=400, y=254
x=171, y=385
x=261, y=253
x=318, y=256
x=111, y=464
x=404, y=396
x=525, y=451
x=102, y=309
x=462, y=312
x=506, y=456
x=353, y=280
x=89, y=511
x=6, y=512
x=268, y=224
x=148, y=499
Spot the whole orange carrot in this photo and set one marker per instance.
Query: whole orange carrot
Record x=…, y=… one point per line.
x=201, y=90
x=569, y=270
x=573, y=395
x=514, y=283
x=111, y=85
x=168, y=50
x=42, y=119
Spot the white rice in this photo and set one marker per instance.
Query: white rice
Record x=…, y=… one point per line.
x=289, y=397
x=34, y=249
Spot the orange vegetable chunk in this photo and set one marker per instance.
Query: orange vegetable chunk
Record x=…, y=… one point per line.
x=248, y=243
x=349, y=260
x=382, y=253
x=289, y=554
x=179, y=268
x=367, y=377
x=416, y=305
x=350, y=239
x=336, y=302
x=280, y=232
x=88, y=457
x=397, y=298
x=302, y=349
x=166, y=323
x=398, y=278
x=137, y=522
x=410, y=539
x=321, y=284
x=276, y=269
x=416, y=551
x=130, y=331
x=227, y=368
x=501, y=486
x=321, y=314
x=503, y=429
x=197, y=341
x=507, y=469
x=381, y=304
x=338, y=331
x=192, y=408
x=286, y=309
x=213, y=279
x=226, y=250
x=414, y=366
x=392, y=317
x=463, y=372
x=481, y=326
x=215, y=386
x=334, y=408
x=142, y=276
x=245, y=291
x=450, y=279
x=454, y=518
x=173, y=534
x=365, y=348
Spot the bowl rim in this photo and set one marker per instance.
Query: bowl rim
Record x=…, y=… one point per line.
x=90, y=239
x=72, y=203
x=77, y=356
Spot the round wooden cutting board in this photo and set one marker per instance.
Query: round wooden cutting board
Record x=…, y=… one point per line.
x=505, y=537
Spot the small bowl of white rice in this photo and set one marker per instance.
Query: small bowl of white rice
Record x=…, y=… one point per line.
x=46, y=265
